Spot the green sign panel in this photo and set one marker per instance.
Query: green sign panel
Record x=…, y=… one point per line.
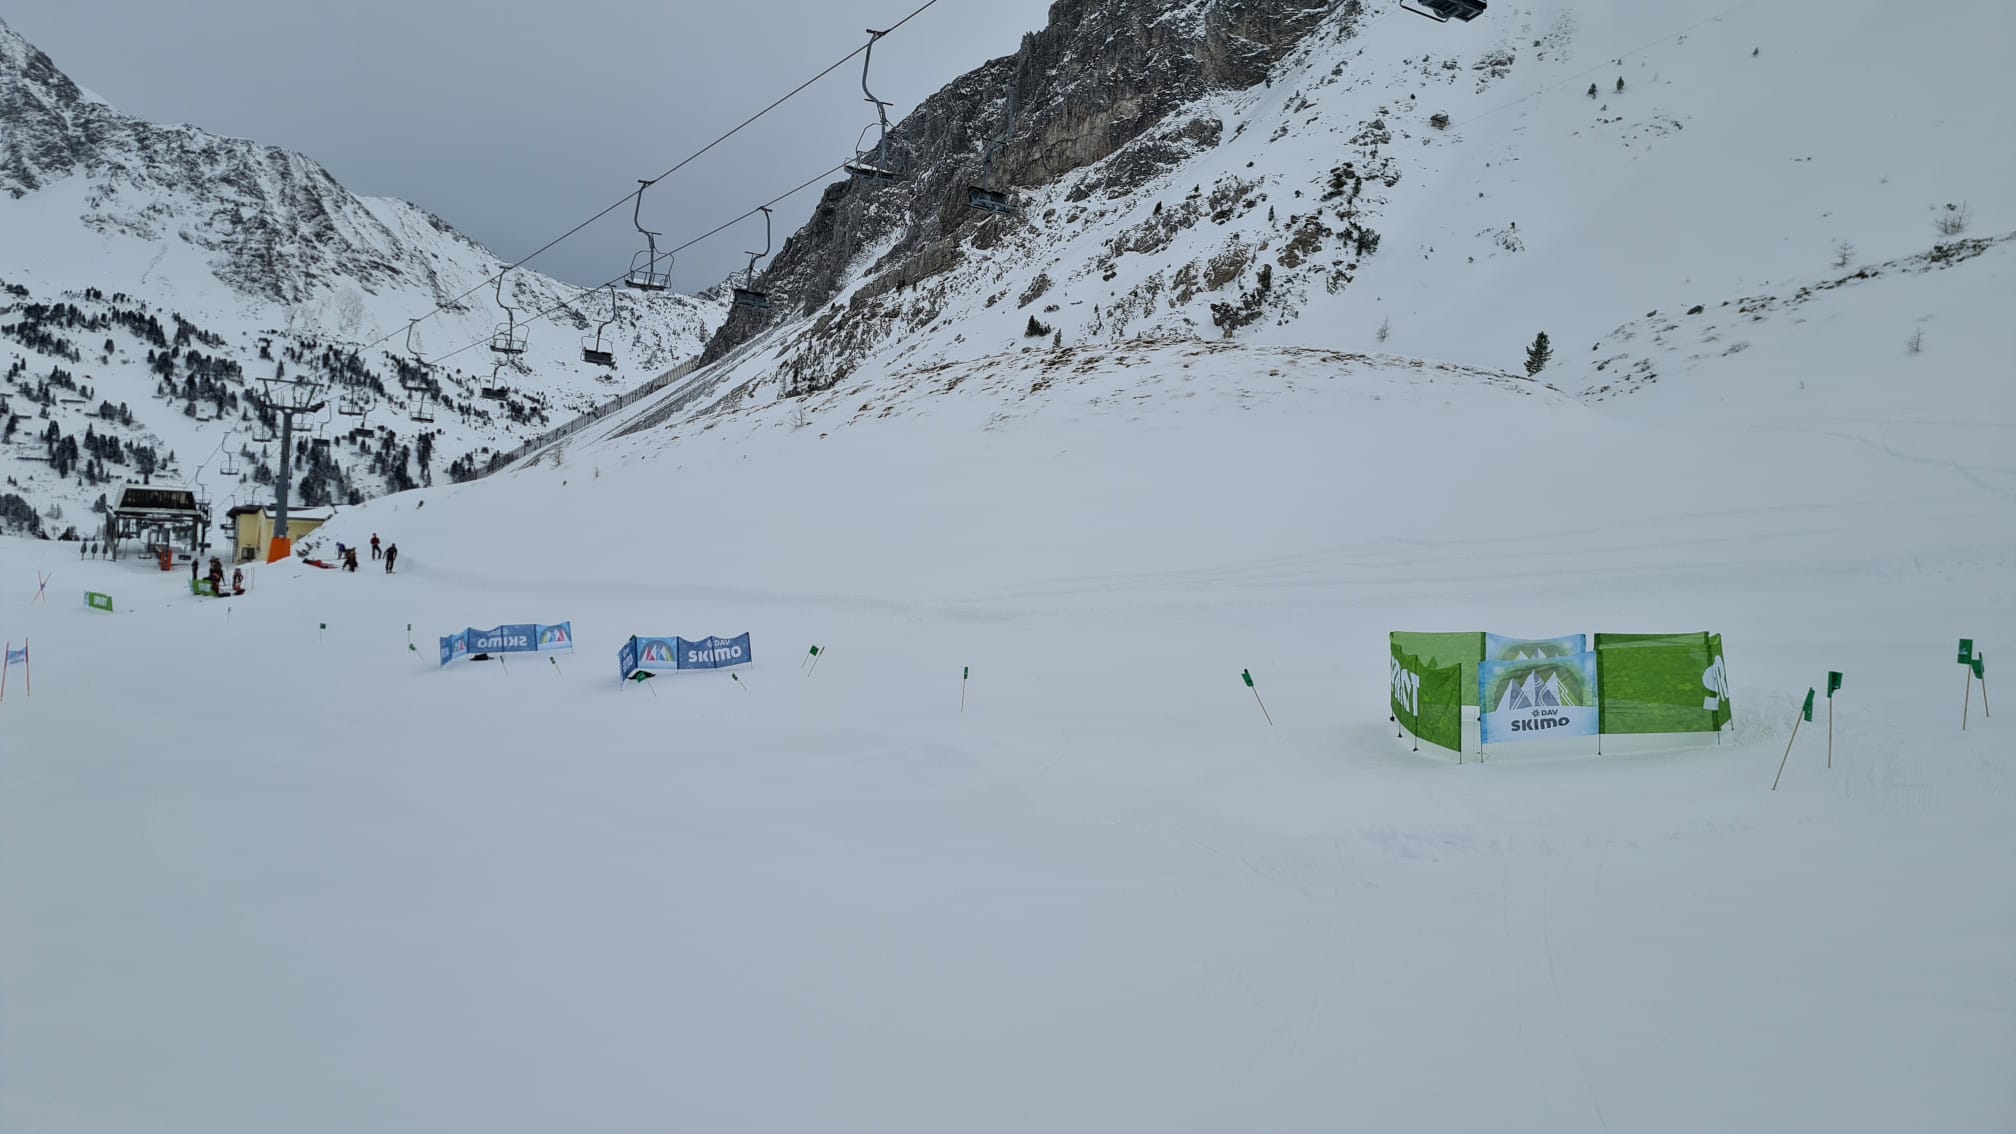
x=1427, y=699
x=96, y=601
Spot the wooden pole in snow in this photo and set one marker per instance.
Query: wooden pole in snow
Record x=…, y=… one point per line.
x=1788, y=752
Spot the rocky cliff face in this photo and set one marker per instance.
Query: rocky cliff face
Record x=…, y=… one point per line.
x=1104, y=76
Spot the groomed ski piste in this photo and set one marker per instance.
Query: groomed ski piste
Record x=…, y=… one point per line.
x=262, y=867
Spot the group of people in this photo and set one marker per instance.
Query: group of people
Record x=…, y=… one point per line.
x=388, y=552
x=216, y=576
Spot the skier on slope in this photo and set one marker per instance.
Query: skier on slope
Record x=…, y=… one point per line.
x=374, y=545
x=391, y=553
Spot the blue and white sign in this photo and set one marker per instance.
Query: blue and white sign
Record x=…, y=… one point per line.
x=511, y=638
x=1497, y=647
x=682, y=653
x=1534, y=697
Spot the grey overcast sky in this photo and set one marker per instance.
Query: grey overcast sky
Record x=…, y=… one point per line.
x=515, y=119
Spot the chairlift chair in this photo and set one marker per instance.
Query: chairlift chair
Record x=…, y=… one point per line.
x=413, y=384
x=1442, y=11
x=423, y=411
x=510, y=338
x=645, y=273
x=879, y=169
x=746, y=296
x=989, y=200
x=227, y=466
x=351, y=407
x=983, y=196
x=593, y=352
x=495, y=393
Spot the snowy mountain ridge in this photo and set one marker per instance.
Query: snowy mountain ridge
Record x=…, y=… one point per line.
x=109, y=222
x=1368, y=181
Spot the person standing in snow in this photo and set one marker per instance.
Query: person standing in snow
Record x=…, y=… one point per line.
x=391, y=553
x=374, y=545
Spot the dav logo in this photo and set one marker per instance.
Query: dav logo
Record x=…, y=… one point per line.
x=714, y=651
x=1541, y=719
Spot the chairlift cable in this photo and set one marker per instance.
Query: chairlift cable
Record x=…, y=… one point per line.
x=681, y=164
x=568, y=305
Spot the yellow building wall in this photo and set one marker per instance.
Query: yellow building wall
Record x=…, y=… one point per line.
x=255, y=532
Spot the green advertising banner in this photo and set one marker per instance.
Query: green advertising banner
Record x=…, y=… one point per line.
x=96, y=601
x=1659, y=683
x=1427, y=699
x=1438, y=650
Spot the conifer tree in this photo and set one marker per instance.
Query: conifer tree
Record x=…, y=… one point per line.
x=1538, y=355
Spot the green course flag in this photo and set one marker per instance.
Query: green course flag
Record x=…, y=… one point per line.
x=1246, y=675
x=1966, y=651
x=1980, y=667
x=1833, y=682
x=815, y=651
x=97, y=601
x=1807, y=712
x=965, y=671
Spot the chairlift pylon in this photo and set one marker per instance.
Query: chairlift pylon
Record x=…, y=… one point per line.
x=1442, y=11
x=510, y=337
x=746, y=296
x=880, y=169
x=645, y=274
x=595, y=353
x=984, y=196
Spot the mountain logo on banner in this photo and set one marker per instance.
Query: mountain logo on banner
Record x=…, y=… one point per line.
x=554, y=636
x=657, y=651
x=1540, y=687
x=1521, y=698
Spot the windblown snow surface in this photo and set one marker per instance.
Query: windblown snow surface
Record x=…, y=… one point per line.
x=260, y=875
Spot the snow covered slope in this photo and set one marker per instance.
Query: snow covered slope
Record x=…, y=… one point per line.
x=302, y=877
x=1325, y=207
x=1107, y=894
x=117, y=222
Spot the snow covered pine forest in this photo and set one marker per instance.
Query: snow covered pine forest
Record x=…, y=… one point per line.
x=1244, y=380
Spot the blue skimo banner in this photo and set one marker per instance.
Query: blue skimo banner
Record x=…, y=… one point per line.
x=1497, y=647
x=1538, y=696
x=682, y=653
x=511, y=638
